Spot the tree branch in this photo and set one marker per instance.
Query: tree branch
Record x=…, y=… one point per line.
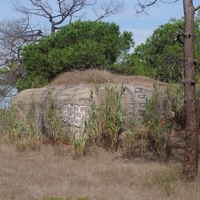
x=197, y=8
x=146, y=4
x=66, y=9
x=108, y=9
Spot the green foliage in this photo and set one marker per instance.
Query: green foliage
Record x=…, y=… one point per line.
x=35, y=60
x=161, y=56
x=79, y=45
x=130, y=64
x=162, y=52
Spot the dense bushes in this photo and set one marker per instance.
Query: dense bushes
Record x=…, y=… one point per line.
x=77, y=46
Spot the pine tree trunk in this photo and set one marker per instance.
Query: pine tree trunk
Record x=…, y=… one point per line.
x=191, y=152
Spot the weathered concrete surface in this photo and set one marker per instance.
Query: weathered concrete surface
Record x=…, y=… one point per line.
x=74, y=102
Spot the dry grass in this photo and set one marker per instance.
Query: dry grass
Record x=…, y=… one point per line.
x=53, y=172
x=104, y=76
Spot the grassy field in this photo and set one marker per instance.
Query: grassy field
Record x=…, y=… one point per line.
x=53, y=171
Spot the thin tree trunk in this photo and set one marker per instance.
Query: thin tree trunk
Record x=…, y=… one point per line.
x=191, y=152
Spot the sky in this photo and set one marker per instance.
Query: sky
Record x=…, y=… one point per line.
x=141, y=26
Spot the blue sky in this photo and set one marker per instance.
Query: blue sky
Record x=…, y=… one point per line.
x=141, y=26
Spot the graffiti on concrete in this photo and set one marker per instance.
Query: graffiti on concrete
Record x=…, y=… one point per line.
x=75, y=115
x=142, y=95
x=85, y=100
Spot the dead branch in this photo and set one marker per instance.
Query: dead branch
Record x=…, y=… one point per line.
x=66, y=10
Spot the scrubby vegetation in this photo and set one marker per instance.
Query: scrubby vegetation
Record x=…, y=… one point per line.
x=148, y=138
x=109, y=156
x=108, y=126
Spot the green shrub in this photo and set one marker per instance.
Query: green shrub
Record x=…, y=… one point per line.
x=79, y=45
x=130, y=64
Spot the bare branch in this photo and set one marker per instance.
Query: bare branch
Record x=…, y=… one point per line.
x=14, y=34
x=109, y=8
x=145, y=5
x=151, y=3
x=66, y=9
x=197, y=8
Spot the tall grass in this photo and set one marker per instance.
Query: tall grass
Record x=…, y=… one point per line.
x=107, y=127
x=20, y=125
x=54, y=129
x=105, y=119
x=159, y=123
x=164, y=110
x=30, y=127
x=10, y=125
